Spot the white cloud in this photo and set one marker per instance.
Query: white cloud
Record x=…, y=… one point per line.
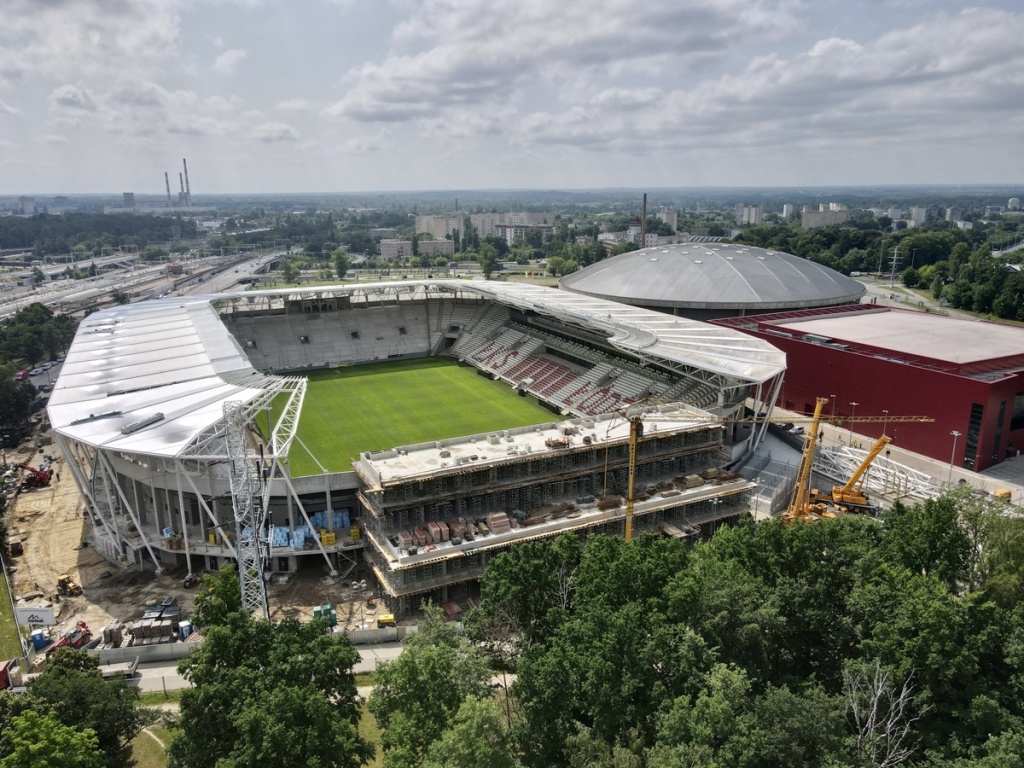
x=294, y=105
x=226, y=63
x=270, y=132
x=7, y=109
x=85, y=37
x=73, y=98
x=838, y=92
x=477, y=52
x=52, y=138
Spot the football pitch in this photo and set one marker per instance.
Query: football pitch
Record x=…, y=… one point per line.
x=384, y=405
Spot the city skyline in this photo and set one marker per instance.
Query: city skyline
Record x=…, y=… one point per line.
x=332, y=96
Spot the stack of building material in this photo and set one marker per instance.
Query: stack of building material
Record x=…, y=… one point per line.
x=444, y=530
x=498, y=522
x=112, y=635
x=422, y=537
x=435, y=532
x=405, y=540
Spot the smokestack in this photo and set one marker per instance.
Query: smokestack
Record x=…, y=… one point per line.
x=167, y=181
x=188, y=189
x=181, y=181
x=643, y=224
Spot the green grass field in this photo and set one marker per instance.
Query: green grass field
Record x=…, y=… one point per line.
x=10, y=645
x=384, y=405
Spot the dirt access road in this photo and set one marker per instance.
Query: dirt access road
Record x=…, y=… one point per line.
x=52, y=525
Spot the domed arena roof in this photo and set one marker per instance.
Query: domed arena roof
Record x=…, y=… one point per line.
x=714, y=276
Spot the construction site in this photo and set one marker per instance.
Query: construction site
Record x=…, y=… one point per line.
x=175, y=421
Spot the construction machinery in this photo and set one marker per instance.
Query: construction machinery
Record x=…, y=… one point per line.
x=35, y=478
x=68, y=587
x=850, y=497
x=801, y=508
x=809, y=504
x=75, y=637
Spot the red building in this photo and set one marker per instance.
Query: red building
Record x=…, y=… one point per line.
x=869, y=361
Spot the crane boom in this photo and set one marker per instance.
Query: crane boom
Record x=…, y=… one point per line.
x=852, y=492
x=799, y=501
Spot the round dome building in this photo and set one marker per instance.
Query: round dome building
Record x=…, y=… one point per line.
x=704, y=281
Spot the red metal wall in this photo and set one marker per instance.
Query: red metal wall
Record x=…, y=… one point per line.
x=814, y=370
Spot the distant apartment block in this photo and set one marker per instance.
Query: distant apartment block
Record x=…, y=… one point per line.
x=826, y=215
x=27, y=205
x=953, y=214
x=788, y=209
x=496, y=224
x=513, y=233
x=391, y=249
x=748, y=214
x=1013, y=204
x=669, y=217
x=918, y=216
x=439, y=225
x=384, y=233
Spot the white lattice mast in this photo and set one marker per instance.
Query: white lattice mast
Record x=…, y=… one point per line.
x=249, y=513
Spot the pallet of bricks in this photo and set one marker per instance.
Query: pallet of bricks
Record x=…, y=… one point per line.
x=152, y=632
x=113, y=636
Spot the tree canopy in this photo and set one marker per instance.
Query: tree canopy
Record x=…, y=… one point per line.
x=266, y=693
x=842, y=643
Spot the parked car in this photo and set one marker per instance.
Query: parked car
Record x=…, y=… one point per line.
x=35, y=371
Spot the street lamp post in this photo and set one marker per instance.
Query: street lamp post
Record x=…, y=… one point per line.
x=885, y=420
x=853, y=415
x=952, y=457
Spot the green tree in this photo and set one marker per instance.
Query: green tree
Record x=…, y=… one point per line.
x=288, y=270
x=487, y=256
x=35, y=740
x=263, y=693
x=218, y=597
x=529, y=588
x=38, y=276
x=478, y=737
x=417, y=695
x=341, y=263
x=15, y=405
x=120, y=297
x=72, y=688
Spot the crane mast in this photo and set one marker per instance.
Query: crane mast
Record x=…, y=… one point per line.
x=247, y=499
x=800, y=500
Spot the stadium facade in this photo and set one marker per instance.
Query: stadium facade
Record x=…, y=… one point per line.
x=159, y=404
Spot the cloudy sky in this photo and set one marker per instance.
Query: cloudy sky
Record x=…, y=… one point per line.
x=347, y=95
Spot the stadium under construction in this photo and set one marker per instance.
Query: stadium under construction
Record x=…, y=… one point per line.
x=177, y=418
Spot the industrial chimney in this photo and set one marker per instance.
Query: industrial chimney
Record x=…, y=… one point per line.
x=167, y=181
x=188, y=189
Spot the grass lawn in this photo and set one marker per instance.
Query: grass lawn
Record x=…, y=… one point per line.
x=155, y=698
x=368, y=730
x=10, y=646
x=384, y=405
x=146, y=752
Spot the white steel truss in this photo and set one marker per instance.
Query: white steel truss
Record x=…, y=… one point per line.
x=885, y=477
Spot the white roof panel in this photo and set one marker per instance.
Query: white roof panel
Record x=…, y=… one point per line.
x=175, y=357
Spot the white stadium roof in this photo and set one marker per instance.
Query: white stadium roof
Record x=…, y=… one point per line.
x=152, y=378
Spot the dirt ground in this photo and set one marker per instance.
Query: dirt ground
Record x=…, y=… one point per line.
x=52, y=525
